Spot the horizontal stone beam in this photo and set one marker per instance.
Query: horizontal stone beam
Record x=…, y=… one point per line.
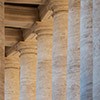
x=20, y=17
x=9, y=51
x=28, y=34
x=44, y=12
x=12, y=36
x=25, y=1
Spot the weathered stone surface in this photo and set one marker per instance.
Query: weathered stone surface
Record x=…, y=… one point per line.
x=86, y=68
x=12, y=78
x=51, y=81
x=44, y=65
x=2, y=41
x=28, y=70
x=96, y=49
x=59, y=52
x=73, y=58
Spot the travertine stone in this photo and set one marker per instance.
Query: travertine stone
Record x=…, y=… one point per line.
x=2, y=50
x=96, y=49
x=12, y=87
x=59, y=50
x=28, y=70
x=86, y=50
x=73, y=58
x=44, y=65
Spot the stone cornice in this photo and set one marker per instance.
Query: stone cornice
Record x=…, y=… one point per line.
x=43, y=28
x=58, y=6
x=20, y=17
x=52, y=7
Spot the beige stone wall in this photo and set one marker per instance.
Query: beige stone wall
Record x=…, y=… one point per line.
x=2, y=51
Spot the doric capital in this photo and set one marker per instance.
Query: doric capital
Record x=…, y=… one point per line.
x=58, y=6
x=27, y=47
x=12, y=62
x=43, y=28
x=72, y=4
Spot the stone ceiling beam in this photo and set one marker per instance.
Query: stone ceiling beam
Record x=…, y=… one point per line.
x=25, y=1
x=12, y=36
x=28, y=34
x=21, y=17
x=11, y=50
x=44, y=12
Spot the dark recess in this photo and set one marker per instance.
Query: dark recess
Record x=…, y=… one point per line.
x=24, y=5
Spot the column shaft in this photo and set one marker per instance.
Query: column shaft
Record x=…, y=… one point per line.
x=12, y=78
x=59, y=50
x=44, y=66
x=96, y=49
x=73, y=59
x=86, y=68
x=2, y=42
x=28, y=70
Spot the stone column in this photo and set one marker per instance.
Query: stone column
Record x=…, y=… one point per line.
x=12, y=78
x=96, y=49
x=2, y=51
x=73, y=59
x=28, y=70
x=44, y=66
x=59, y=59
x=86, y=50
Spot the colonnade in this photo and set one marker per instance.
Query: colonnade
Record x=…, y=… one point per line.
x=63, y=63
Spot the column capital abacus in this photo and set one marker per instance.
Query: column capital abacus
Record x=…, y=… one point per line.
x=58, y=6
x=43, y=28
x=27, y=47
x=12, y=62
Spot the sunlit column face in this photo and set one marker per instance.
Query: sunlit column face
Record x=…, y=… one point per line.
x=12, y=78
x=86, y=50
x=28, y=61
x=59, y=55
x=96, y=49
x=73, y=54
x=44, y=61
